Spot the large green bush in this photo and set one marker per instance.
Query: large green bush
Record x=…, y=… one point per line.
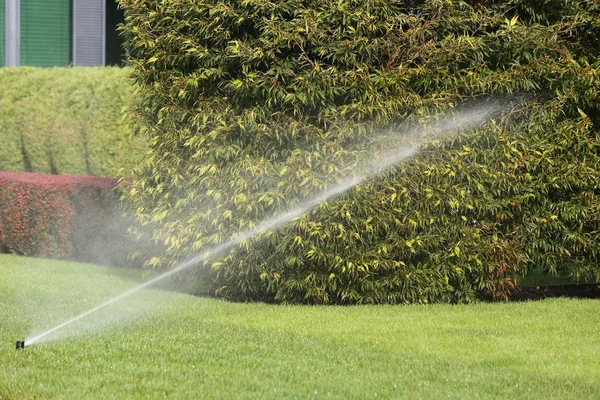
x=66, y=121
x=249, y=105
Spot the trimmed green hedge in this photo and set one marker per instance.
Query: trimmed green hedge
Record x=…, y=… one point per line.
x=63, y=216
x=250, y=105
x=66, y=121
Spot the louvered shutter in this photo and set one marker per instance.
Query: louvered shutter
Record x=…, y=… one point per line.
x=88, y=32
x=45, y=32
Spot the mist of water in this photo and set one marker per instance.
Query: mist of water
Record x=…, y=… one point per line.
x=442, y=127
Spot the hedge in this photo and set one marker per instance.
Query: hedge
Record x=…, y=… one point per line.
x=251, y=105
x=63, y=216
x=66, y=121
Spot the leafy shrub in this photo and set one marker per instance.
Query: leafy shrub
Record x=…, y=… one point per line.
x=62, y=216
x=250, y=105
x=66, y=121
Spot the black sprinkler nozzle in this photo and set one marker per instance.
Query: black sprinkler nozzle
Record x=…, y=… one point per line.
x=20, y=344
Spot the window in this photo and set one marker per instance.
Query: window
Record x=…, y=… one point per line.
x=45, y=33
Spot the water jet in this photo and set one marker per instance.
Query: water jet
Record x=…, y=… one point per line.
x=379, y=163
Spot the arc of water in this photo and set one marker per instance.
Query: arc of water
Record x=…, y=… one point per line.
x=224, y=247
x=386, y=160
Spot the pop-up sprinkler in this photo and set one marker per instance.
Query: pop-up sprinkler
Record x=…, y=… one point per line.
x=20, y=344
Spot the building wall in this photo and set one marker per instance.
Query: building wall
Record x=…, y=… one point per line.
x=2, y=33
x=49, y=33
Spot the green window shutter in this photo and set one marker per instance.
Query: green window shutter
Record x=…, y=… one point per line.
x=2, y=33
x=46, y=32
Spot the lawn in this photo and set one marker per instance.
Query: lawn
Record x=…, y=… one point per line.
x=160, y=344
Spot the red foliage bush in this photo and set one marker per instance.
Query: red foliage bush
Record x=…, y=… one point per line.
x=62, y=216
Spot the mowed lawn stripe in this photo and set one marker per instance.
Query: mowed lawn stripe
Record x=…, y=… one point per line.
x=161, y=344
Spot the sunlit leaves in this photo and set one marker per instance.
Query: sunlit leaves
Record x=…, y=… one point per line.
x=254, y=105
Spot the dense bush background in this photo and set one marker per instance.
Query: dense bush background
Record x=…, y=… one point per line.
x=63, y=216
x=66, y=121
x=249, y=105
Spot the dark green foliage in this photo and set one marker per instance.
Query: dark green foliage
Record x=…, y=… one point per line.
x=250, y=105
x=66, y=120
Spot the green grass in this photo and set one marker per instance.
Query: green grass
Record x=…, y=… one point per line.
x=161, y=344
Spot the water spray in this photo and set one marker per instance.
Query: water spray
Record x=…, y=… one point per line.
x=385, y=160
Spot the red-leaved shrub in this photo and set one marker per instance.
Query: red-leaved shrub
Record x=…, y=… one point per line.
x=62, y=216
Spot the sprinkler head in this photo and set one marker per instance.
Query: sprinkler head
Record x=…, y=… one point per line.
x=20, y=344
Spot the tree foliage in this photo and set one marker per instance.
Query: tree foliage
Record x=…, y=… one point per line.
x=250, y=105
